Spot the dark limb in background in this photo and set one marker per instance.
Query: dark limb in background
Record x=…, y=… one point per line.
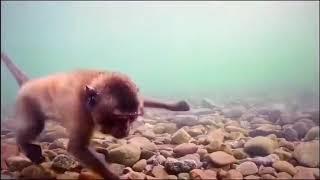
x=174, y=106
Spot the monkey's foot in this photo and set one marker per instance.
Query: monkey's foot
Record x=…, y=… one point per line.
x=34, y=153
x=180, y=106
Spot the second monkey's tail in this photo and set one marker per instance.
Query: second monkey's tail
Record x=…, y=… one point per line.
x=18, y=74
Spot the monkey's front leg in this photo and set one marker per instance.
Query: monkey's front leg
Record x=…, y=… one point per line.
x=79, y=146
x=89, y=157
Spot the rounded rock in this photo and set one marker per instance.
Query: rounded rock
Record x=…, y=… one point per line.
x=259, y=146
x=267, y=177
x=159, y=172
x=36, y=172
x=290, y=134
x=181, y=136
x=185, y=148
x=247, y=168
x=127, y=154
x=221, y=158
x=284, y=175
x=312, y=134
x=178, y=166
x=266, y=170
x=203, y=174
x=234, y=174
x=64, y=163
x=140, y=165
x=183, y=176
x=301, y=128
x=307, y=154
x=17, y=163
x=304, y=174
x=284, y=166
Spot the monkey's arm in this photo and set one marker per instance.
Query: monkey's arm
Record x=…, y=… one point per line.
x=176, y=106
x=79, y=146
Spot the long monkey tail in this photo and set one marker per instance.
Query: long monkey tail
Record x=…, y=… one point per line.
x=18, y=74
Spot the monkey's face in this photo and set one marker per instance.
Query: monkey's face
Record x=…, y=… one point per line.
x=123, y=112
x=115, y=109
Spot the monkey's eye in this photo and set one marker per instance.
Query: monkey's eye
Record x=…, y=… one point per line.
x=92, y=100
x=92, y=96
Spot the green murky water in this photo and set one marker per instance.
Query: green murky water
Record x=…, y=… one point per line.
x=171, y=49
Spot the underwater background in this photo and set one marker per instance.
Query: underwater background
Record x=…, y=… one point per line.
x=171, y=49
x=249, y=72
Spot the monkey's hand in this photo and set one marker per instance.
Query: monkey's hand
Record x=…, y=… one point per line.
x=89, y=158
x=34, y=153
x=180, y=106
x=79, y=140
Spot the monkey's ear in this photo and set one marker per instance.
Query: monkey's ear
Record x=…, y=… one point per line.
x=90, y=91
x=91, y=97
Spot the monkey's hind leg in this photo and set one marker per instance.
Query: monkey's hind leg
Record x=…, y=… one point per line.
x=32, y=123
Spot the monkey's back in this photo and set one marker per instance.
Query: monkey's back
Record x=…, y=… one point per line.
x=58, y=95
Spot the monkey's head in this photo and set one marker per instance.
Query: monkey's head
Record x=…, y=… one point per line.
x=114, y=104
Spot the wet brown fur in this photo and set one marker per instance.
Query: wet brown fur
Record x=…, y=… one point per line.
x=64, y=97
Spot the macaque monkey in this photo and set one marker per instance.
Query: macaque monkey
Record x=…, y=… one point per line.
x=82, y=101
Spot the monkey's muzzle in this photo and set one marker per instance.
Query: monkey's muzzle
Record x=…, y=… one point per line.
x=129, y=116
x=121, y=123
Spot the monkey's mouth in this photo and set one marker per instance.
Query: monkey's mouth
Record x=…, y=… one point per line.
x=120, y=132
x=121, y=115
x=115, y=132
